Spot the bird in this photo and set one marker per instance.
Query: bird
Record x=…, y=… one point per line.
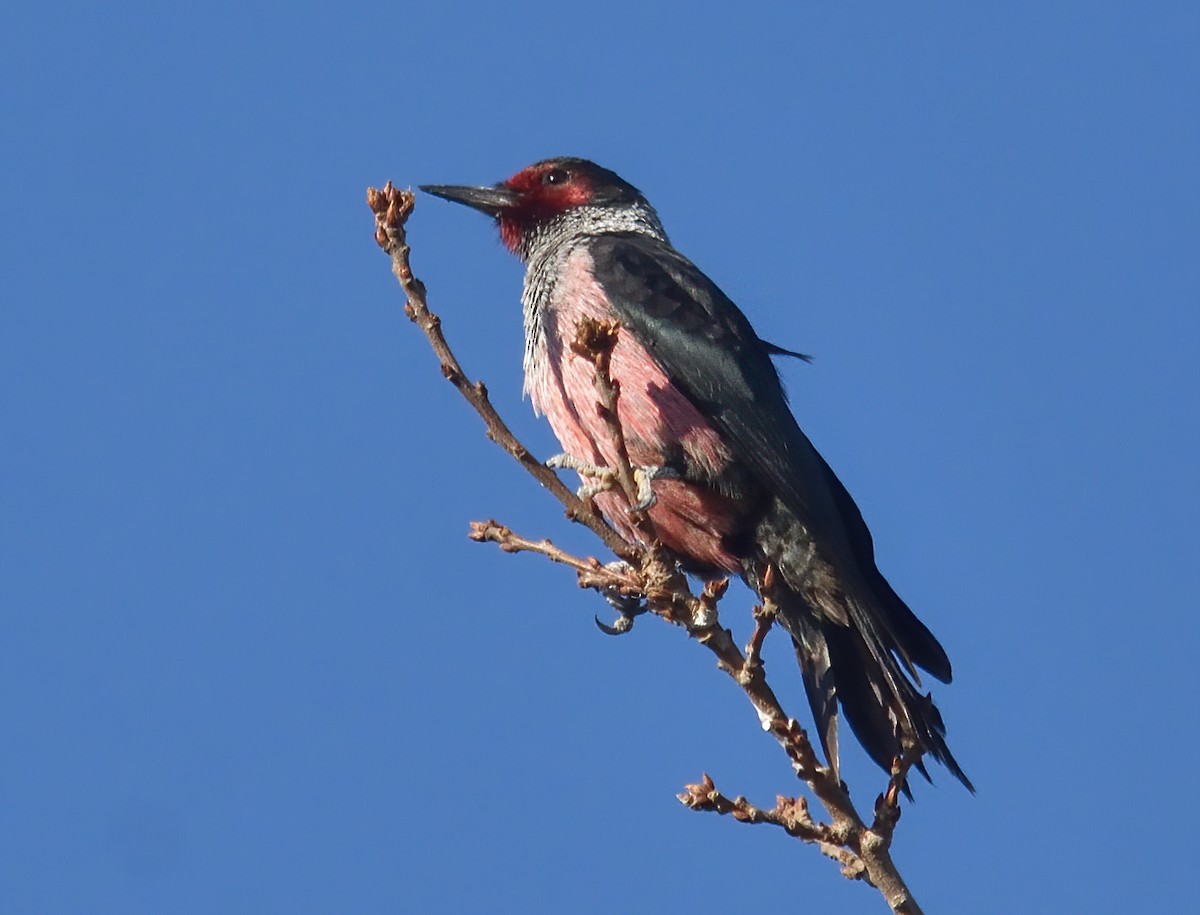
x=735, y=487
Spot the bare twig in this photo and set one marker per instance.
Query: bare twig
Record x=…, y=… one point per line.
x=764, y=619
x=392, y=207
x=790, y=813
x=595, y=341
x=648, y=571
x=887, y=805
x=592, y=573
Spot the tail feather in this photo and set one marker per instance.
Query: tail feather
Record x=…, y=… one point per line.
x=920, y=646
x=858, y=644
x=912, y=641
x=855, y=667
x=812, y=651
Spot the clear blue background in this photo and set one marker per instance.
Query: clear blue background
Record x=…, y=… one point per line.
x=249, y=661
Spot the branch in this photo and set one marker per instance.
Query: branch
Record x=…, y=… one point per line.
x=595, y=340
x=392, y=207
x=790, y=813
x=592, y=574
x=647, y=571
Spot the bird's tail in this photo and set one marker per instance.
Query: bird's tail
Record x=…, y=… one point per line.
x=867, y=666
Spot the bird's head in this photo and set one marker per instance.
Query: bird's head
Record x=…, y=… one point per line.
x=549, y=193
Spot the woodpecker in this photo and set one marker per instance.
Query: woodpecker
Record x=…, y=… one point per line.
x=736, y=487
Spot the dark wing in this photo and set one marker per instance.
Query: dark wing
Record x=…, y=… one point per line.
x=707, y=347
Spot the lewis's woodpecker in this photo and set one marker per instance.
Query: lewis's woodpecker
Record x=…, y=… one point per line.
x=737, y=487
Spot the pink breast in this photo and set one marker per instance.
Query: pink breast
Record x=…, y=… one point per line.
x=690, y=519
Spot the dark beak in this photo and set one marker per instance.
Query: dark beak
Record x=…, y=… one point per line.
x=490, y=200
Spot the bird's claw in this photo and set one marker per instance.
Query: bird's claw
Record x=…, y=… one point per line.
x=628, y=606
x=602, y=479
x=644, y=477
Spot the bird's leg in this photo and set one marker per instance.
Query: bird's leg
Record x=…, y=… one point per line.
x=602, y=479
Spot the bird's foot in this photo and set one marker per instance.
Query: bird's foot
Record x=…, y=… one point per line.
x=601, y=479
x=644, y=477
x=597, y=479
x=627, y=606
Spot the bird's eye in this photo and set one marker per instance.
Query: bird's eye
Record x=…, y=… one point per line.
x=556, y=176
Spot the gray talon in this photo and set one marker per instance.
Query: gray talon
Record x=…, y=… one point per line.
x=620, y=627
x=627, y=606
x=566, y=461
x=644, y=477
x=598, y=479
x=601, y=479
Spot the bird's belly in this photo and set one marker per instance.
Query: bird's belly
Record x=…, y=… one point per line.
x=695, y=522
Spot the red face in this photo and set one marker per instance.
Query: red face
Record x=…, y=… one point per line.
x=547, y=189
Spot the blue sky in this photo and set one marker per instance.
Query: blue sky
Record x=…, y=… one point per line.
x=249, y=661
